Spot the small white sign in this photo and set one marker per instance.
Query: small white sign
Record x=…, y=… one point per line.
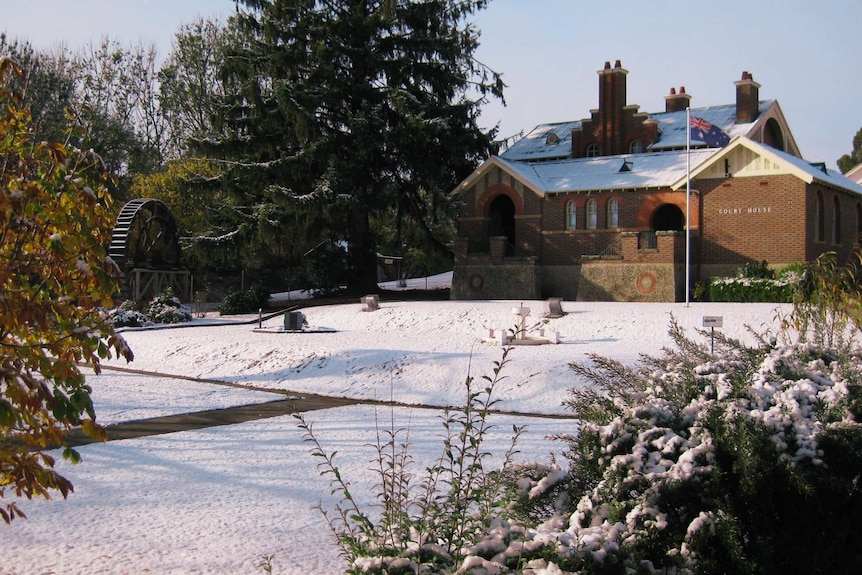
x=712, y=321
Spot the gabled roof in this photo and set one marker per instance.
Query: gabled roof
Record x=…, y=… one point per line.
x=771, y=161
x=537, y=146
x=624, y=172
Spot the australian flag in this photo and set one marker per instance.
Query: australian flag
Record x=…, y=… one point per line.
x=709, y=134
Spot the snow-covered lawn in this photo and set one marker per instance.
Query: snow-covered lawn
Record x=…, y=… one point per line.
x=218, y=500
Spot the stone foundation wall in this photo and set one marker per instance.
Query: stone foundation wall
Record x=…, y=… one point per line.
x=631, y=282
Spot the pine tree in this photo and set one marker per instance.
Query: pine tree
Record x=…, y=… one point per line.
x=347, y=112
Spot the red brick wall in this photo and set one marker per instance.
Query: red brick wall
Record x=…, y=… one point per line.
x=743, y=219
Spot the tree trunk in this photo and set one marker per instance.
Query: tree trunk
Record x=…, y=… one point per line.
x=362, y=254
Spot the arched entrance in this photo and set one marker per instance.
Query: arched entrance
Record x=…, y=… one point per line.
x=501, y=220
x=668, y=217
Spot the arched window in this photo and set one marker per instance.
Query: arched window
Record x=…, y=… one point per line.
x=836, y=220
x=819, y=219
x=571, y=215
x=591, y=214
x=636, y=147
x=613, y=213
x=592, y=151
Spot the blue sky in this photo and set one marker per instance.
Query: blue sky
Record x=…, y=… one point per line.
x=802, y=52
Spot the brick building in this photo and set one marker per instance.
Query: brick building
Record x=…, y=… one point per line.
x=596, y=209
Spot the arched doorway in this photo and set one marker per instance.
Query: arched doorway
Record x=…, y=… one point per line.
x=501, y=220
x=668, y=217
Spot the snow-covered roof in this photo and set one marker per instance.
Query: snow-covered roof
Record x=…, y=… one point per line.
x=628, y=171
x=672, y=125
x=540, y=143
x=554, y=141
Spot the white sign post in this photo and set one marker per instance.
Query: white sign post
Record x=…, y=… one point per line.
x=712, y=322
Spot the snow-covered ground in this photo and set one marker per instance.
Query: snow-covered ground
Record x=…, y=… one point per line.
x=219, y=500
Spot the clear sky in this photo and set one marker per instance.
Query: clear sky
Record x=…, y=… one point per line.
x=802, y=52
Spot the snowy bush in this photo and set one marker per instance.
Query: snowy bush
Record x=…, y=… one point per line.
x=755, y=282
x=167, y=308
x=745, y=461
x=121, y=317
x=164, y=308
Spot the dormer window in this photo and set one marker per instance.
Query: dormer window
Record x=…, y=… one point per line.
x=552, y=139
x=592, y=151
x=636, y=147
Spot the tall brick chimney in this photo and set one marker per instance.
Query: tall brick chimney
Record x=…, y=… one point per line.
x=747, y=99
x=676, y=102
x=614, y=127
x=612, y=100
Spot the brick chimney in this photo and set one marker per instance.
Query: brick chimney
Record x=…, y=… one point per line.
x=674, y=102
x=612, y=100
x=747, y=99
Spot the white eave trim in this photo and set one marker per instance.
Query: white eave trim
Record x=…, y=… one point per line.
x=495, y=161
x=744, y=142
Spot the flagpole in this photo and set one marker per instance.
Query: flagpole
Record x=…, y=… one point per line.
x=687, y=205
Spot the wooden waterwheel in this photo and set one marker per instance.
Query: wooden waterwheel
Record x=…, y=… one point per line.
x=145, y=245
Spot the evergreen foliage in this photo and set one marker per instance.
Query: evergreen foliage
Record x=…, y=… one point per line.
x=339, y=115
x=247, y=300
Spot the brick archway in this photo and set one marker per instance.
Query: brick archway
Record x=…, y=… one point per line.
x=658, y=199
x=490, y=194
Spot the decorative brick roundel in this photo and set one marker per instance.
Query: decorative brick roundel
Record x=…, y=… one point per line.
x=646, y=282
x=476, y=281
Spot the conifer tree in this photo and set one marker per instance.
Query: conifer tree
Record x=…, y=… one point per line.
x=345, y=112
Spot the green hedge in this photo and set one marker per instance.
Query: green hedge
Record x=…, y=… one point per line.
x=750, y=290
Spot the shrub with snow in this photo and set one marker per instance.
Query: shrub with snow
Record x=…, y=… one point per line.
x=748, y=460
x=167, y=308
x=164, y=308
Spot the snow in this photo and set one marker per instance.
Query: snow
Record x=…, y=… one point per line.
x=222, y=499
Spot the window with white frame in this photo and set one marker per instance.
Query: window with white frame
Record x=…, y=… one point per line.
x=592, y=150
x=571, y=215
x=636, y=147
x=591, y=214
x=613, y=213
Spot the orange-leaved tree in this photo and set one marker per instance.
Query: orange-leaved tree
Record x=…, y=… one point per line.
x=55, y=281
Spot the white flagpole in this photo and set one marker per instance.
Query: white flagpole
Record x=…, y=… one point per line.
x=687, y=205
